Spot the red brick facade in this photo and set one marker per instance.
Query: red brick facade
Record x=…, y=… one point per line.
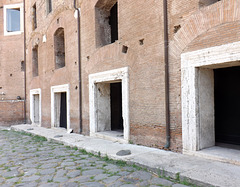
x=193, y=25
x=11, y=112
x=11, y=71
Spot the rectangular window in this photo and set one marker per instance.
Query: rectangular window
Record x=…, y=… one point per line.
x=34, y=21
x=113, y=21
x=203, y=3
x=106, y=17
x=49, y=6
x=13, y=19
x=35, y=61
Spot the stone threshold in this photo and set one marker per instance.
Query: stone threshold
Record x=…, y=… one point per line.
x=217, y=153
x=115, y=136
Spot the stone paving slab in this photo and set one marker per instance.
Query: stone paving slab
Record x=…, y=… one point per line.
x=29, y=161
x=200, y=171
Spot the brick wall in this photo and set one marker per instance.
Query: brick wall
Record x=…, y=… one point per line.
x=62, y=16
x=203, y=27
x=139, y=21
x=11, y=112
x=11, y=74
x=140, y=24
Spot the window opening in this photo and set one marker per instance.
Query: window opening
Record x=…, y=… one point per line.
x=13, y=19
x=49, y=6
x=35, y=61
x=113, y=21
x=203, y=3
x=34, y=21
x=59, y=46
x=106, y=22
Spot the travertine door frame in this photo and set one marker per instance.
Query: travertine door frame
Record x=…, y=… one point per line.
x=56, y=90
x=34, y=92
x=198, y=92
x=116, y=75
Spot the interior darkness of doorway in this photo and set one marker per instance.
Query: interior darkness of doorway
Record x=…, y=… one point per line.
x=116, y=106
x=63, y=110
x=227, y=105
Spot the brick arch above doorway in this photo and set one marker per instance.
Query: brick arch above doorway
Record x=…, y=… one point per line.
x=216, y=36
x=203, y=20
x=198, y=92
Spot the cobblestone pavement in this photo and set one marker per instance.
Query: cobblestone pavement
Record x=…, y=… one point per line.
x=32, y=161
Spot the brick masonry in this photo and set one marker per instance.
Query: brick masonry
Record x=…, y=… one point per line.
x=11, y=74
x=191, y=27
x=11, y=112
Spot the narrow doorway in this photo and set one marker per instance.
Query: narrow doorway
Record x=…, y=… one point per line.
x=36, y=113
x=61, y=109
x=116, y=106
x=227, y=106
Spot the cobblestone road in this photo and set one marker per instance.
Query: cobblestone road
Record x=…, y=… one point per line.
x=33, y=161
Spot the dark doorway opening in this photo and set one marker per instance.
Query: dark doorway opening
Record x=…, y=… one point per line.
x=113, y=22
x=227, y=105
x=63, y=110
x=116, y=106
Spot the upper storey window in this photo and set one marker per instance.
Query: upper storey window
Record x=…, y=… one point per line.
x=34, y=16
x=35, y=61
x=13, y=19
x=59, y=48
x=203, y=3
x=49, y=6
x=106, y=16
